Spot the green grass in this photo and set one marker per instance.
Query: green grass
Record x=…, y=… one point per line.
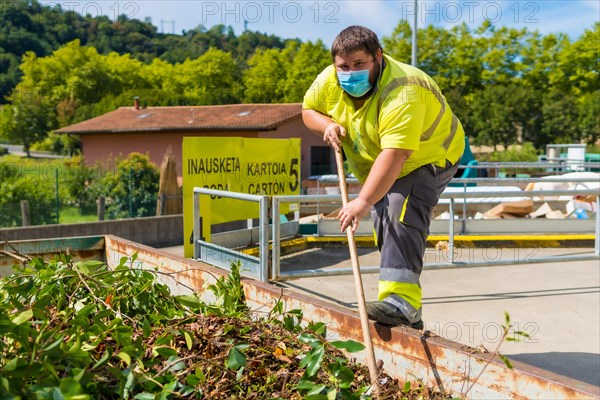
x=47, y=167
x=71, y=215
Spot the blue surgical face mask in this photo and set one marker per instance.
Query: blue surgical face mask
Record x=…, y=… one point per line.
x=355, y=83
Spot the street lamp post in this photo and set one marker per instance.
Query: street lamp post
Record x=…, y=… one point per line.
x=414, y=37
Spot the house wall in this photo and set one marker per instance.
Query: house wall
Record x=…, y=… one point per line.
x=103, y=147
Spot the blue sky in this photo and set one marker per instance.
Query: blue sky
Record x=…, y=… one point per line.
x=316, y=19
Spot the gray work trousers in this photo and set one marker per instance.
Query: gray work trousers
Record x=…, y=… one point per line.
x=401, y=222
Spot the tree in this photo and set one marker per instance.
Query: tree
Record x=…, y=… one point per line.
x=176, y=49
x=588, y=122
x=462, y=70
x=398, y=45
x=8, y=80
x=504, y=114
x=77, y=76
x=434, y=51
x=27, y=121
x=540, y=57
x=307, y=63
x=248, y=42
x=275, y=76
x=73, y=71
x=212, y=78
x=577, y=69
x=264, y=76
x=559, y=112
x=501, y=60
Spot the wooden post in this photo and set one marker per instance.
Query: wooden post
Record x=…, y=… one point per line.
x=25, y=214
x=101, y=207
x=162, y=201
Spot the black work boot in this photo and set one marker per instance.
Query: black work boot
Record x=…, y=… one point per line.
x=388, y=314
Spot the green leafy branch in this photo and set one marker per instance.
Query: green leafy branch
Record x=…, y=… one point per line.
x=83, y=330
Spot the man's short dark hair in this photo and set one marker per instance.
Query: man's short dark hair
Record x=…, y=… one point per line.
x=355, y=38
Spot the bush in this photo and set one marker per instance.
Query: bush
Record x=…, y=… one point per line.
x=83, y=185
x=133, y=189
x=16, y=187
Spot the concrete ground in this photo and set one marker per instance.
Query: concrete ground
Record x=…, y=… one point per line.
x=556, y=304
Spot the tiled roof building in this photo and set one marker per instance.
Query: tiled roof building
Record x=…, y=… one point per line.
x=153, y=130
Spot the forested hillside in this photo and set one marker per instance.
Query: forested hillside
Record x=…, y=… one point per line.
x=28, y=26
x=506, y=85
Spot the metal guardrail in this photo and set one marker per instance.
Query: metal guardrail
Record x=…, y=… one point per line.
x=503, y=181
x=199, y=244
x=527, y=193
x=277, y=274
x=521, y=180
x=549, y=165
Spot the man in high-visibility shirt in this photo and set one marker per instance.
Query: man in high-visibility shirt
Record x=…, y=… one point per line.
x=402, y=142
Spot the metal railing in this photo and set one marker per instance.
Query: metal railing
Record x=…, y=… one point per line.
x=502, y=182
x=199, y=244
x=528, y=193
x=552, y=165
x=277, y=274
x=262, y=262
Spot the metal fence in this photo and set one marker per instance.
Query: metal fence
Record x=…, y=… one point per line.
x=41, y=194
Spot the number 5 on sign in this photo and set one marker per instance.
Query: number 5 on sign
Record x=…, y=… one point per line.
x=294, y=177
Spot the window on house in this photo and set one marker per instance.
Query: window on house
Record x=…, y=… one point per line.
x=322, y=161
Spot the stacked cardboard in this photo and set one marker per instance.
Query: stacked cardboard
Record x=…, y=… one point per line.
x=546, y=211
x=522, y=209
x=513, y=209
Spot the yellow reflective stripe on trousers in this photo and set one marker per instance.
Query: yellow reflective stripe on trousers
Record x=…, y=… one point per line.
x=404, y=207
x=411, y=292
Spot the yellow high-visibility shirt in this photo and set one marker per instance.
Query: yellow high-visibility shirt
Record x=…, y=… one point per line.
x=406, y=110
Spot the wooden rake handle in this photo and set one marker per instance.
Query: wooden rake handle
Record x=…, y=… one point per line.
x=360, y=294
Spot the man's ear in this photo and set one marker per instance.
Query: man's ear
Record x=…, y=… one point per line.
x=379, y=55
